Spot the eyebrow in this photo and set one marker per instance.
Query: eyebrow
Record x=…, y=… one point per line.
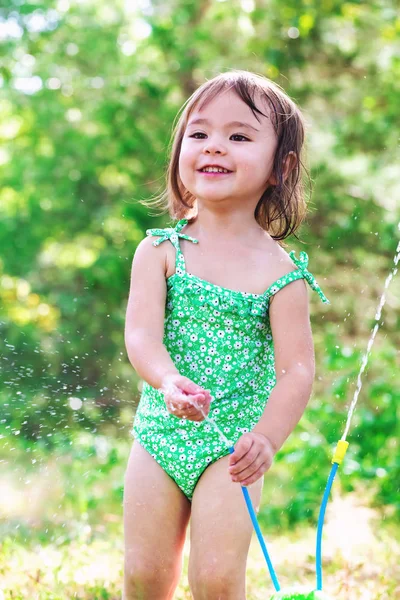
x=231, y=124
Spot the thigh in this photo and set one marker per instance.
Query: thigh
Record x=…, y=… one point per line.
x=156, y=513
x=220, y=526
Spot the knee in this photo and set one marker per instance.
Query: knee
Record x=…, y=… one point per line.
x=214, y=579
x=146, y=580
x=137, y=580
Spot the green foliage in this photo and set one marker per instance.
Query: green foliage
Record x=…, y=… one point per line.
x=79, y=153
x=298, y=595
x=63, y=537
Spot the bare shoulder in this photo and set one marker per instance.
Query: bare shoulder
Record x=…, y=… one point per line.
x=157, y=256
x=281, y=265
x=280, y=262
x=146, y=246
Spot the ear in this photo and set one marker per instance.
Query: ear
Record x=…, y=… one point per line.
x=289, y=164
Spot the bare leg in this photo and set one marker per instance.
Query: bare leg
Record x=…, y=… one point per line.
x=221, y=532
x=156, y=514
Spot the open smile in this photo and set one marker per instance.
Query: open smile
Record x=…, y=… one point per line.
x=214, y=174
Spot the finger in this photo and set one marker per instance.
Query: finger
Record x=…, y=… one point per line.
x=175, y=412
x=184, y=409
x=246, y=460
x=194, y=415
x=198, y=410
x=181, y=414
x=242, y=447
x=188, y=404
x=176, y=404
x=259, y=473
x=194, y=418
x=171, y=407
x=181, y=401
x=207, y=400
x=202, y=408
x=187, y=413
x=198, y=417
x=191, y=412
x=249, y=470
x=195, y=399
x=170, y=390
x=189, y=386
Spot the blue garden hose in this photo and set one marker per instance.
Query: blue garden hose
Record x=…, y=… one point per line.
x=337, y=459
x=258, y=532
x=318, y=553
x=340, y=451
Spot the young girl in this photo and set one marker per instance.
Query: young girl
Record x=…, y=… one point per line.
x=209, y=334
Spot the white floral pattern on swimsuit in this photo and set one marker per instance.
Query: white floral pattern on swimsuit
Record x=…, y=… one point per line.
x=221, y=339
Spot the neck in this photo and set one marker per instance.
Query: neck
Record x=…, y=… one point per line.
x=233, y=224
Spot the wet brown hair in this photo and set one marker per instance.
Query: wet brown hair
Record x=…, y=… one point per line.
x=282, y=207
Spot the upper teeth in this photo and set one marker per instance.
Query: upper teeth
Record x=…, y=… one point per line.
x=215, y=170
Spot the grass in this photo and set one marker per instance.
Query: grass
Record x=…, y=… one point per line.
x=62, y=537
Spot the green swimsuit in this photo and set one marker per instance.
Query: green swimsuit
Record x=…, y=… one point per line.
x=221, y=339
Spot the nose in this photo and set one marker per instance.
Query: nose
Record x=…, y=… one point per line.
x=213, y=147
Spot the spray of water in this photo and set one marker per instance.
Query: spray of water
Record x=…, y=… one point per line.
x=371, y=341
x=223, y=437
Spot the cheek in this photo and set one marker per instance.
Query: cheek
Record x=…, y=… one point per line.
x=185, y=169
x=186, y=157
x=249, y=168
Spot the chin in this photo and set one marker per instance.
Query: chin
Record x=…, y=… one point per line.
x=202, y=198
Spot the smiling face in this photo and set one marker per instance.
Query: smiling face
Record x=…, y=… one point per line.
x=246, y=151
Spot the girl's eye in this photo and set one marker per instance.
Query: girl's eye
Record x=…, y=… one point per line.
x=233, y=135
x=240, y=135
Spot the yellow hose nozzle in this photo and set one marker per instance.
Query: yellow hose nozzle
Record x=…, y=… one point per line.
x=340, y=451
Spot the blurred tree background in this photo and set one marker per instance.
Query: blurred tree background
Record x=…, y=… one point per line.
x=88, y=95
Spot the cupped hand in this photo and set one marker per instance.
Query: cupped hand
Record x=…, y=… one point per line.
x=184, y=398
x=253, y=456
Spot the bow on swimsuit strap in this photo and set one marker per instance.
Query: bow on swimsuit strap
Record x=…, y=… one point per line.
x=171, y=233
x=302, y=264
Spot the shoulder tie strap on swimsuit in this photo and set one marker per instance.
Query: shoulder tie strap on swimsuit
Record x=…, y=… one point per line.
x=302, y=264
x=172, y=234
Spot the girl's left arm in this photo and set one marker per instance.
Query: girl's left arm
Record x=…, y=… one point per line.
x=294, y=363
x=295, y=370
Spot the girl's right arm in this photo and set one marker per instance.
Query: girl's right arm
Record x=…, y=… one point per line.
x=144, y=332
x=144, y=324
